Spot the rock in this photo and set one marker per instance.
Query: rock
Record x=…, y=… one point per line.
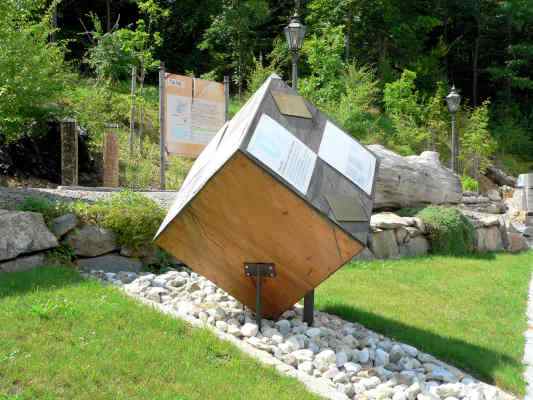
x=313, y=332
x=23, y=263
x=324, y=359
x=413, y=391
x=126, y=277
x=363, y=356
x=499, y=177
x=489, y=239
x=396, y=353
x=381, y=358
x=494, y=195
x=91, y=241
x=110, y=263
x=63, y=224
x=517, y=242
x=155, y=293
x=441, y=374
x=284, y=327
x=409, y=350
x=303, y=355
x=352, y=368
x=415, y=247
x=414, y=180
x=364, y=255
x=23, y=232
x=383, y=244
x=249, y=329
x=341, y=358
x=402, y=235
x=306, y=366
x=388, y=220
x=449, y=390
x=370, y=383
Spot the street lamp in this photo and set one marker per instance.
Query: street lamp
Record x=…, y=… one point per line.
x=454, y=101
x=295, y=32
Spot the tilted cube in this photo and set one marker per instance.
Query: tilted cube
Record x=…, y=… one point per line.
x=280, y=184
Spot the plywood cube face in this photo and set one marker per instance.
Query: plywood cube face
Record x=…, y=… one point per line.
x=278, y=184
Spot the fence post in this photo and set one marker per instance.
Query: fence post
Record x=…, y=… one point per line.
x=226, y=98
x=131, y=138
x=111, y=157
x=69, y=152
x=162, y=158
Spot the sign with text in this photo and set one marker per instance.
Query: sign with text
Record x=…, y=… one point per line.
x=194, y=113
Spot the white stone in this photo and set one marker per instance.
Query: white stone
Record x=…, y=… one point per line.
x=449, y=390
x=341, y=358
x=303, y=355
x=441, y=374
x=363, y=356
x=249, y=329
x=306, y=366
x=222, y=325
x=370, y=383
x=324, y=359
x=352, y=368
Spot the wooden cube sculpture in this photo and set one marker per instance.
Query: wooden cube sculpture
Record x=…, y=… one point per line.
x=278, y=184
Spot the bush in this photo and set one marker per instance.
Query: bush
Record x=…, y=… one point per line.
x=469, y=184
x=132, y=216
x=49, y=209
x=450, y=232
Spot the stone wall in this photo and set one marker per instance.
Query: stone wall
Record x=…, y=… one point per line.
x=26, y=242
x=392, y=236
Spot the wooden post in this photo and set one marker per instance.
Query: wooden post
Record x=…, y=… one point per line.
x=111, y=157
x=162, y=158
x=132, y=115
x=69, y=152
x=226, y=98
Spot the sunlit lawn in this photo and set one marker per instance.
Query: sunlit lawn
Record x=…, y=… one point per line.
x=467, y=311
x=62, y=337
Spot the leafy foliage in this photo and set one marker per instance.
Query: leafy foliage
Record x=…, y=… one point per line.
x=469, y=184
x=450, y=232
x=33, y=73
x=133, y=217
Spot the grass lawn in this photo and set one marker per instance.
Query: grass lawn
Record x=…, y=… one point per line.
x=63, y=337
x=467, y=311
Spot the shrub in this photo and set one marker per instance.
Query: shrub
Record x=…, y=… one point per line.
x=469, y=184
x=48, y=208
x=450, y=232
x=132, y=216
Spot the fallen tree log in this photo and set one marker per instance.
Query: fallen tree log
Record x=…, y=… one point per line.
x=499, y=177
x=413, y=181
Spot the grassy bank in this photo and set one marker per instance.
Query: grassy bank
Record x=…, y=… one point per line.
x=467, y=311
x=63, y=337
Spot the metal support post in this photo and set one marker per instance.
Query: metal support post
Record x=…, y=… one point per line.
x=259, y=271
x=309, y=307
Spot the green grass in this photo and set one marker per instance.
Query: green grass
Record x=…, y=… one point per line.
x=63, y=337
x=467, y=311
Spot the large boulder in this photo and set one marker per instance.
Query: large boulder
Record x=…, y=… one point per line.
x=23, y=232
x=110, y=263
x=414, y=180
x=489, y=239
x=383, y=244
x=517, y=243
x=23, y=263
x=415, y=247
x=60, y=226
x=91, y=241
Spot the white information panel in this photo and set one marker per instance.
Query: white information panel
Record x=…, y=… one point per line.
x=348, y=157
x=283, y=152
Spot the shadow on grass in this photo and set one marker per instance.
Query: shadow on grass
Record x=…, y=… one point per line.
x=478, y=361
x=38, y=279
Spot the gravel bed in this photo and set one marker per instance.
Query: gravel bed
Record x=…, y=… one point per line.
x=348, y=360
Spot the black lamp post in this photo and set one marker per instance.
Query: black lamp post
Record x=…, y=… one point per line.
x=453, y=100
x=295, y=33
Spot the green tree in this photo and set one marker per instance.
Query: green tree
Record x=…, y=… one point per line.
x=33, y=73
x=231, y=38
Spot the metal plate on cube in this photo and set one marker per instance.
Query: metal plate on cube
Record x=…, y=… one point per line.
x=345, y=209
x=290, y=104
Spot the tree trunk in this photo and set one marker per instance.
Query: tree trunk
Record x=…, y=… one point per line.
x=141, y=122
x=475, y=71
x=108, y=9
x=132, y=114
